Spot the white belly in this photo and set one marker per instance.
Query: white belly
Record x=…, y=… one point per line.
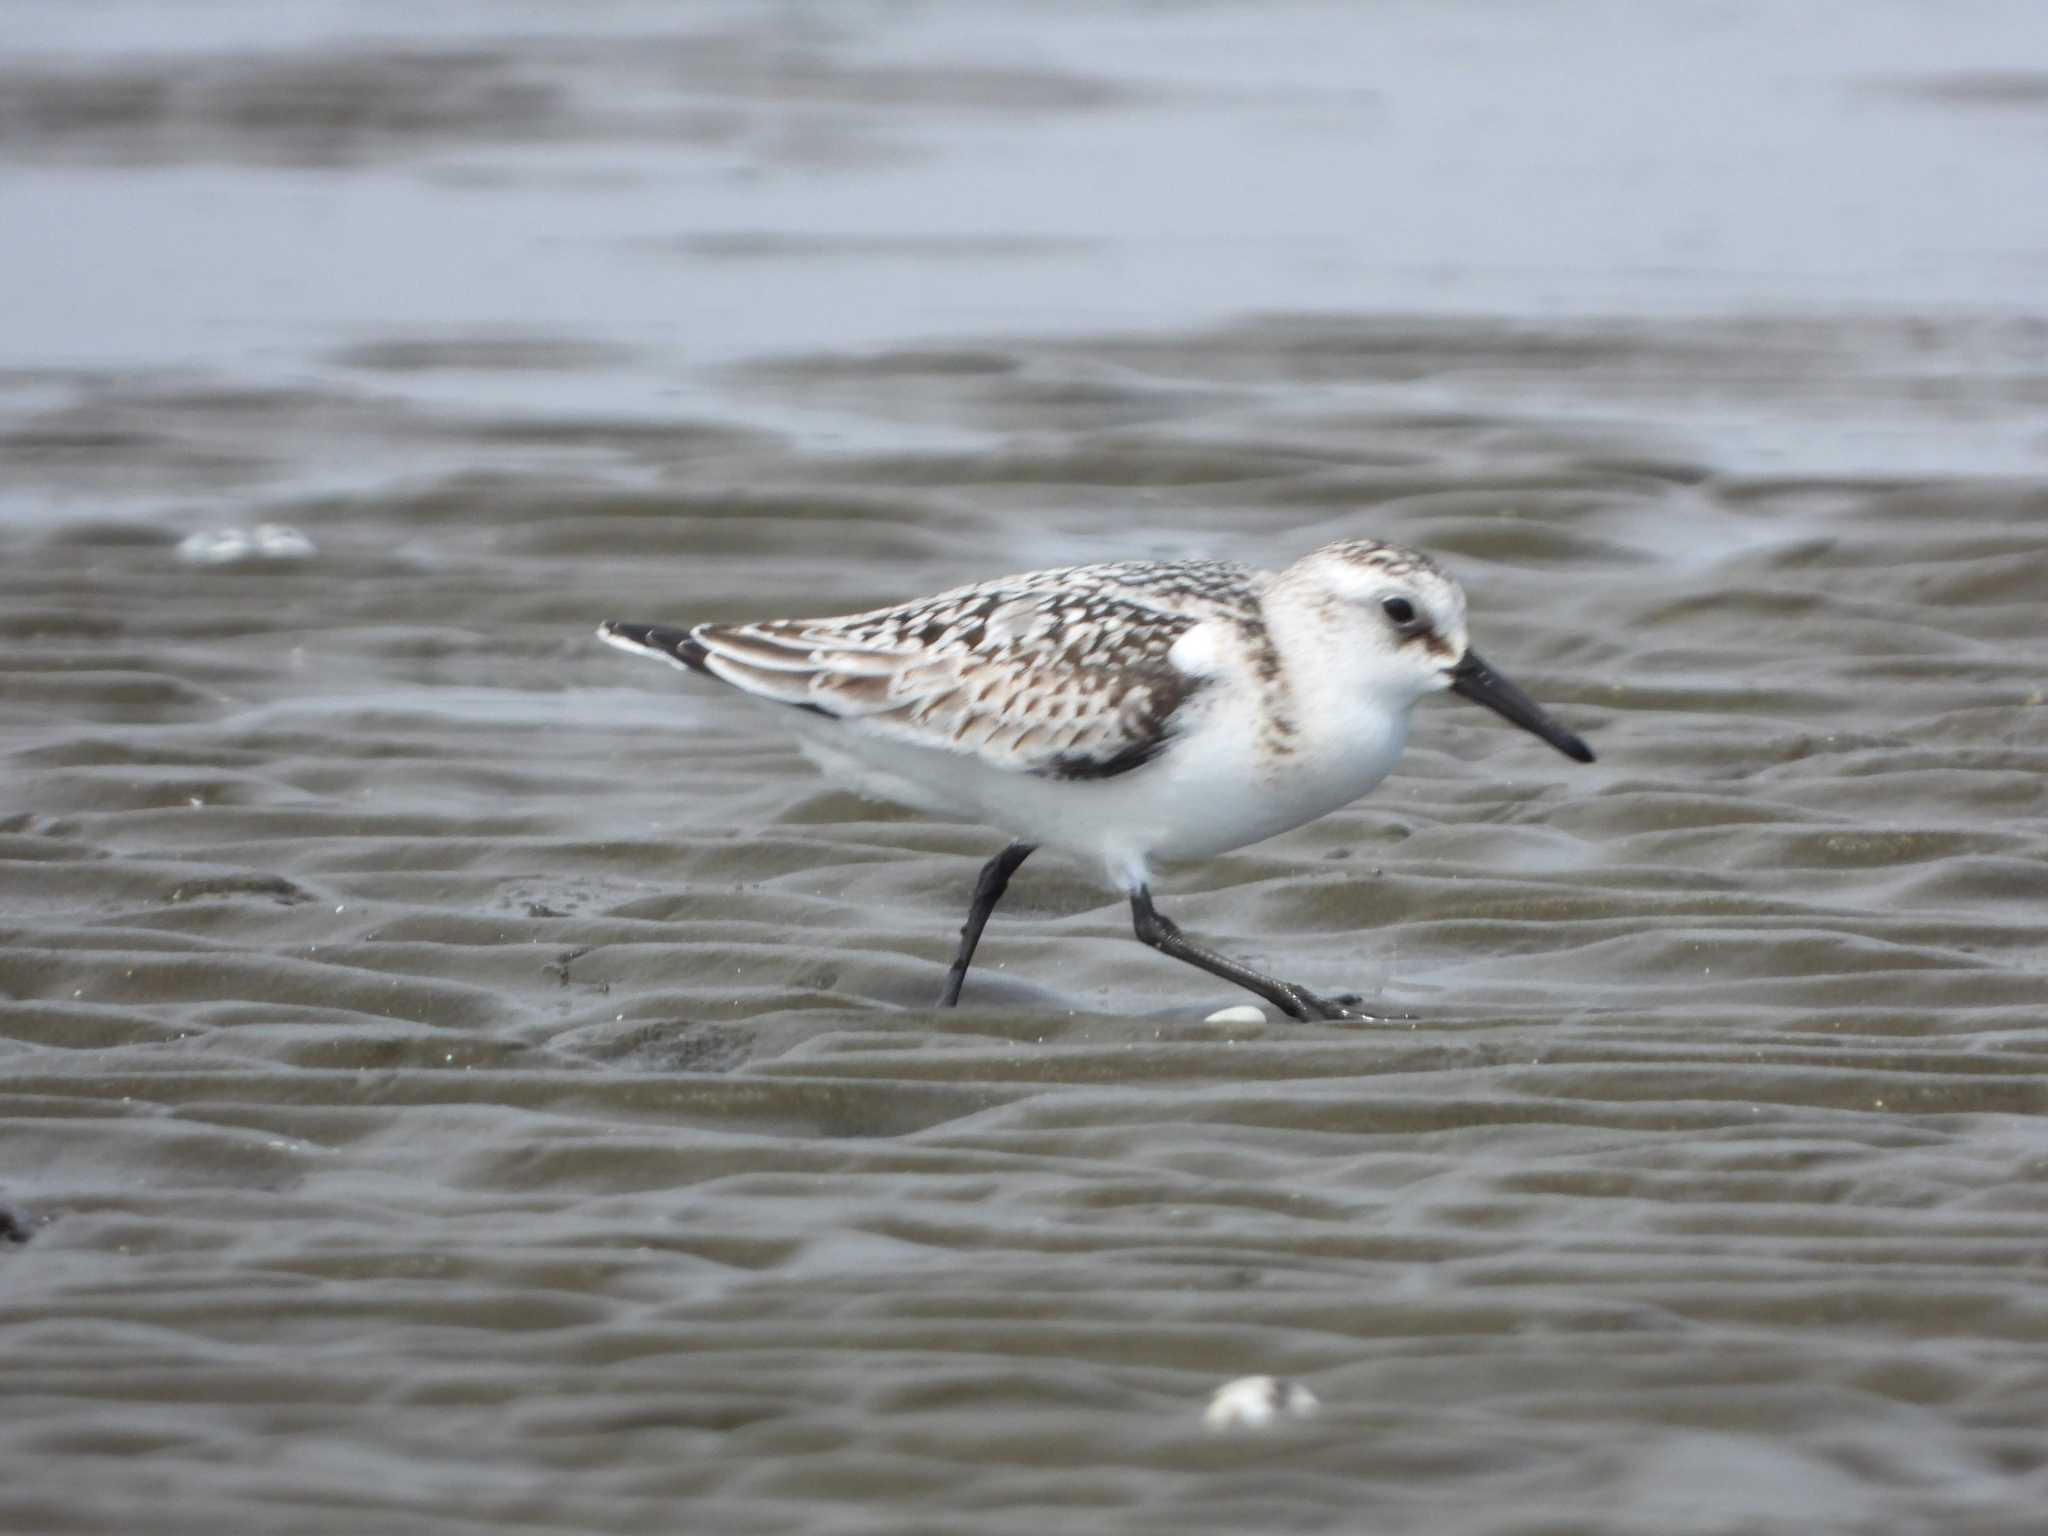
x=1215, y=788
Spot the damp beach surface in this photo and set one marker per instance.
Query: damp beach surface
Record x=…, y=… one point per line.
x=457, y=1079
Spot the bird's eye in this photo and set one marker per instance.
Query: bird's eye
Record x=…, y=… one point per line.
x=1400, y=610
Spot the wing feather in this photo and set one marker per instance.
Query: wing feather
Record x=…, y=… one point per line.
x=1014, y=698
x=1065, y=674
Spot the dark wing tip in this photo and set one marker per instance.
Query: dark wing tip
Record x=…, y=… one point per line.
x=679, y=648
x=663, y=640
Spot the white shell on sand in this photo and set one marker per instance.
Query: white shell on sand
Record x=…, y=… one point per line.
x=235, y=546
x=1238, y=1013
x=1254, y=1402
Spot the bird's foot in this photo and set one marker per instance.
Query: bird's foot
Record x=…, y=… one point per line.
x=1344, y=1008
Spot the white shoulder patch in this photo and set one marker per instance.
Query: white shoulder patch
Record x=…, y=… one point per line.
x=1198, y=652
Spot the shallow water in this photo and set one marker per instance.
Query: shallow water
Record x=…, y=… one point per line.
x=458, y=1078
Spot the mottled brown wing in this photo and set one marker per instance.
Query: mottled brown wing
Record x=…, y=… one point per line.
x=1070, y=685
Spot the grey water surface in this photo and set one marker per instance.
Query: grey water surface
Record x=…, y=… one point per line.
x=454, y=1078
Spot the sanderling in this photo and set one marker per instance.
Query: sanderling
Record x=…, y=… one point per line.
x=1122, y=713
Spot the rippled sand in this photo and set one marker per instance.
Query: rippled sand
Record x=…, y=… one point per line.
x=459, y=1079
x=455, y=1071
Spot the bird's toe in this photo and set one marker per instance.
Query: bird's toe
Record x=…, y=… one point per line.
x=1347, y=1008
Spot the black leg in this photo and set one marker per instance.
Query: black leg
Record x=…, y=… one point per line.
x=988, y=890
x=1163, y=934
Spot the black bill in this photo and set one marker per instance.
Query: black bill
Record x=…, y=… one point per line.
x=1478, y=682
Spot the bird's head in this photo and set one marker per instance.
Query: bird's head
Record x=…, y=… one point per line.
x=1407, y=617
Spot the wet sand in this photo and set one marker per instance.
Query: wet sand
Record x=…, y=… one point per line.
x=460, y=1079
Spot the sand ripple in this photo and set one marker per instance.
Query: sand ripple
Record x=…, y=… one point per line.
x=430, y=1039
x=457, y=1080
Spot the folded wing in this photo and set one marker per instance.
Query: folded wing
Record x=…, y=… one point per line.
x=1065, y=680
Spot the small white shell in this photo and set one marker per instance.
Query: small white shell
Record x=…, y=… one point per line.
x=1239, y=1013
x=234, y=546
x=214, y=546
x=281, y=541
x=1254, y=1402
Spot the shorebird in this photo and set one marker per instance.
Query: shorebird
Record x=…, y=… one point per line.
x=1123, y=713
